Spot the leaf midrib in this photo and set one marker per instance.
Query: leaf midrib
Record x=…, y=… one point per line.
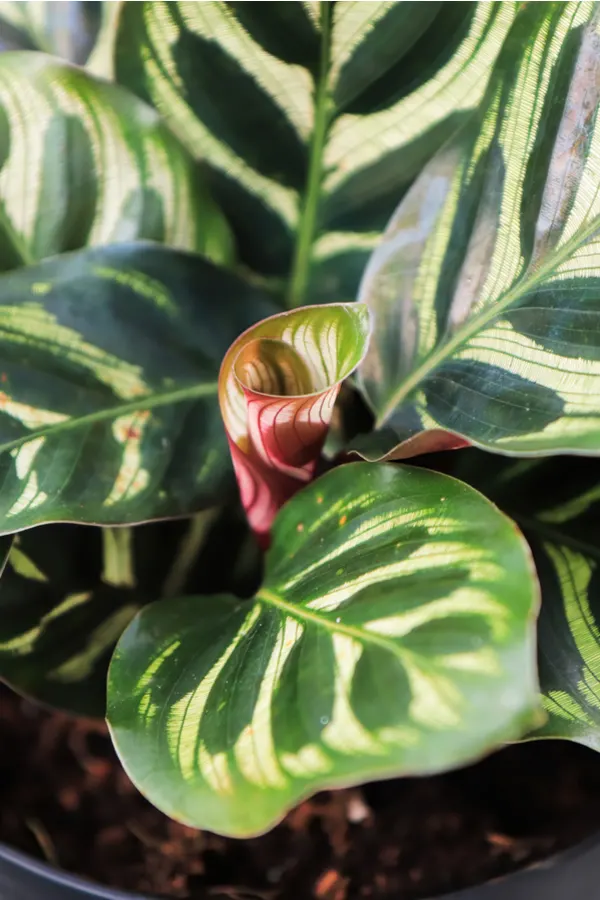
x=493, y=311
x=300, y=613
x=308, y=217
x=143, y=403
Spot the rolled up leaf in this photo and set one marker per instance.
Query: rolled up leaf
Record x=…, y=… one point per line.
x=277, y=388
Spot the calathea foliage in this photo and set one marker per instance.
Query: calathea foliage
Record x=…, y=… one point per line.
x=181, y=252
x=277, y=388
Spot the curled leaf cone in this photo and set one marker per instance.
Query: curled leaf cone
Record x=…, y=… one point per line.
x=277, y=388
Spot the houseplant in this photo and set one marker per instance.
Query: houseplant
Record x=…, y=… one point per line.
x=242, y=169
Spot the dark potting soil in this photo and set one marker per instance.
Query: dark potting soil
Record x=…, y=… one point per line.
x=64, y=797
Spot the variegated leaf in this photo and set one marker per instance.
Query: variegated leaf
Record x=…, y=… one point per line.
x=486, y=289
x=109, y=361
x=557, y=504
x=83, y=162
x=69, y=591
x=312, y=119
x=277, y=388
x=393, y=633
x=59, y=621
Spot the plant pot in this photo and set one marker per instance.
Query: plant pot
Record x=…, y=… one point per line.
x=572, y=875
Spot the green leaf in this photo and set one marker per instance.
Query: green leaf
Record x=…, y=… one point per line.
x=557, y=504
x=83, y=162
x=393, y=634
x=59, y=621
x=485, y=291
x=64, y=602
x=312, y=118
x=108, y=385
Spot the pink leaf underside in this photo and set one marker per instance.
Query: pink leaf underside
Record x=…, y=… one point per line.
x=431, y=441
x=277, y=403
x=285, y=439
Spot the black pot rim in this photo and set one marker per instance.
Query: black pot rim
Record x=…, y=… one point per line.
x=91, y=889
x=44, y=870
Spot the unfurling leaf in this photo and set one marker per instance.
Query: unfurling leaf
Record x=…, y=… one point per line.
x=277, y=387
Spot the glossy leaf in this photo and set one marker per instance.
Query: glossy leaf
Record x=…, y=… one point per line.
x=83, y=162
x=312, y=119
x=393, y=634
x=277, y=388
x=108, y=385
x=557, y=504
x=485, y=291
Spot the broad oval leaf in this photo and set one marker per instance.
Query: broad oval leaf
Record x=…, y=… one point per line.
x=277, y=388
x=84, y=162
x=312, y=119
x=485, y=291
x=108, y=385
x=393, y=634
x=557, y=504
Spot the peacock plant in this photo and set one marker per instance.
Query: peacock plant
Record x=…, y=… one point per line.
x=426, y=176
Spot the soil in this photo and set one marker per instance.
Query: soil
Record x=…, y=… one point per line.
x=64, y=797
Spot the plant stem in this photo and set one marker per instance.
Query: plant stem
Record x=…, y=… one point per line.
x=308, y=216
x=188, y=551
x=119, y=569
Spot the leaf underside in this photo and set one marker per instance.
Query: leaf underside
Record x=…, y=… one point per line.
x=277, y=388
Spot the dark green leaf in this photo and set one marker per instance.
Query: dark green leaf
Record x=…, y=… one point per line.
x=59, y=621
x=68, y=592
x=393, y=634
x=108, y=385
x=312, y=119
x=83, y=162
x=557, y=504
x=485, y=291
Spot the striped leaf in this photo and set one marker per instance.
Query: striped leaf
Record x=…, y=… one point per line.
x=69, y=591
x=557, y=504
x=83, y=162
x=59, y=621
x=108, y=385
x=393, y=633
x=312, y=119
x=485, y=291
x=277, y=388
